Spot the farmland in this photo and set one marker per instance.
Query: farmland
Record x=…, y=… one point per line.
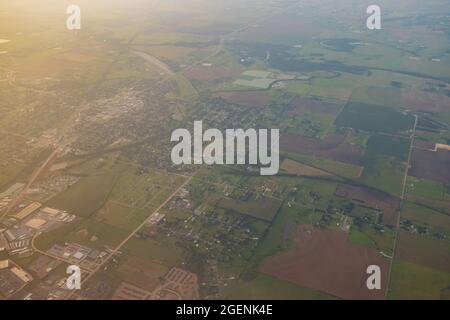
x=314, y=247
x=422, y=169
x=86, y=138
x=332, y=147
x=374, y=118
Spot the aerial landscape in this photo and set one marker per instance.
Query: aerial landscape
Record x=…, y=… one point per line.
x=359, y=123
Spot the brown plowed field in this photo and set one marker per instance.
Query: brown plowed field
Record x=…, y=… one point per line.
x=433, y=165
x=325, y=260
x=425, y=101
x=422, y=144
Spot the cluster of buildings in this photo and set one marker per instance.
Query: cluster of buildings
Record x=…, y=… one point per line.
x=19, y=224
x=176, y=284
x=77, y=254
x=20, y=228
x=12, y=278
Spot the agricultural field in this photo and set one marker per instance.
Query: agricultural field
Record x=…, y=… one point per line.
x=88, y=136
x=411, y=281
x=374, y=118
x=332, y=147
x=332, y=247
x=296, y=168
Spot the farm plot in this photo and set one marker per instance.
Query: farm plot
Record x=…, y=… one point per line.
x=297, y=168
x=264, y=208
x=211, y=73
x=338, y=168
x=431, y=165
x=374, y=118
x=301, y=105
x=412, y=281
x=94, y=191
x=426, y=217
x=333, y=146
x=372, y=198
x=142, y=273
x=249, y=98
x=138, y=190
x=384, y=162
x=424, y=101
x=424, y=251
x=324, y=260
x=380, y=144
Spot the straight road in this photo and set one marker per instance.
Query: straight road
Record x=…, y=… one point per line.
x=120, y=245
x=402, y=200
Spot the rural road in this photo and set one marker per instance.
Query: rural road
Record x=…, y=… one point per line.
x=120, y=245
x=402, y=200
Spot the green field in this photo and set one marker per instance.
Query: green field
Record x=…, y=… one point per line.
x=427, y=189
x=87, y=195
x=427, y=217
x=368, y=236
x=264, y=208
x=375, y=118
x=384, y=173
x=338, y=168
x=412, y=281
x=424, y=250
x=264, y=287
x=387, y=145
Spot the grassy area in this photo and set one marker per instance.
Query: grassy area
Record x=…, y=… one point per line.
x=367, y=235
x=265, y=287
x=95, y=233
x=166, y=38
x=387, y=145
x=374, y=118
x=412, y=281
x=359, y=237
x=357, y=138
x=88, y=195
x=426, y=189
x=377, y=95
x=164, y=253
x=426, y=217
x=121, y=216
x=384, y=173
x=278, y=237
x=45, y=240
x=338, y=168
x=186, y=90
x=424, y=250
x=264, y=208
